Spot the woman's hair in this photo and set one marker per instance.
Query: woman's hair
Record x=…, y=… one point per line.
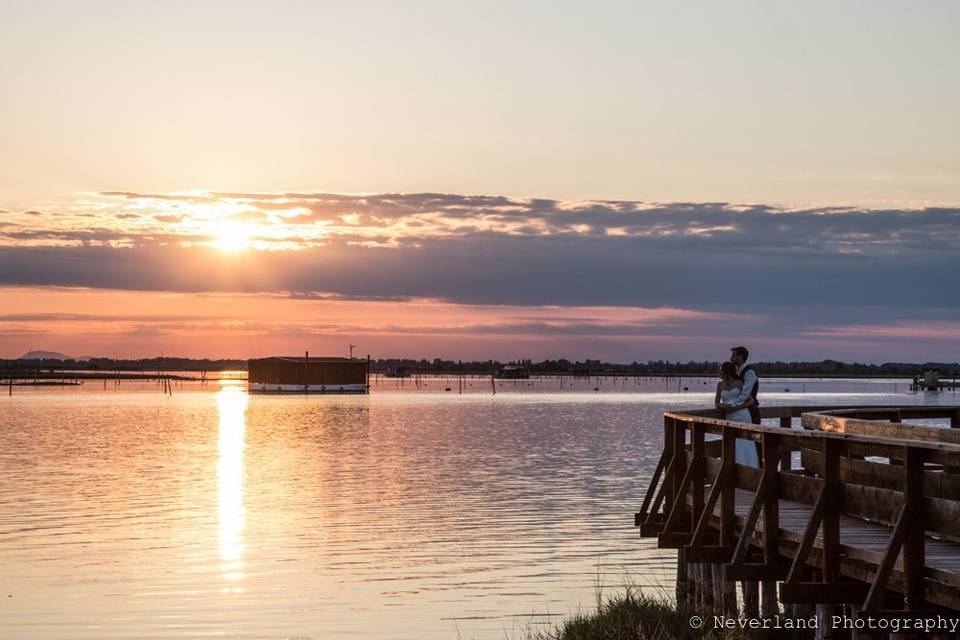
x=729, y=370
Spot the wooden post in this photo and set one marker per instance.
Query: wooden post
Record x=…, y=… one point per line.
x=306, y=371
x=699, y=463
x=786, y=457
x=693, y=584
x=913, y=544
x=771, y=520
x=679, y=468
x=681, y=591
x=728, y=488
x=831, y=509
x=709, y=593
x=716, y=579
x=728, y=480
x=750, y=598
x=823, y=614
x=668, y=424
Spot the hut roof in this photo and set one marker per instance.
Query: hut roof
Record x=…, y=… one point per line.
x=300, y=359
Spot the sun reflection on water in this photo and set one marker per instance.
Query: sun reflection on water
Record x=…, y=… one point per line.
x=232, y=406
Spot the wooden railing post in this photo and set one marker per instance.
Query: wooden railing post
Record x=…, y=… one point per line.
x=728, y=488
x=913, y=544
x=771, y=498
x=680, y=454
x=699, y=470
x=831, y=509
x=668, y=427
x=771, y=520
x=786, y=456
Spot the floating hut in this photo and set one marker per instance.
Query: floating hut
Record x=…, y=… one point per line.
x=279, y=374
x=512, y=372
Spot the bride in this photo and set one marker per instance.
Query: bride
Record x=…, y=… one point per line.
x=727, y=391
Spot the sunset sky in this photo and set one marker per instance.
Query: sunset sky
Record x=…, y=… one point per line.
x=615, y=180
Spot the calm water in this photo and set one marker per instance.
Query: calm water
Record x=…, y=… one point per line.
x=409, y=513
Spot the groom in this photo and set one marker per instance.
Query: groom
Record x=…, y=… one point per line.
x=751, y=382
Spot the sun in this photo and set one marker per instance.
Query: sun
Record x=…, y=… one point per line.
x=231, y=236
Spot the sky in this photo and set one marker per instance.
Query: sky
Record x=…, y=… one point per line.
x=619, y=180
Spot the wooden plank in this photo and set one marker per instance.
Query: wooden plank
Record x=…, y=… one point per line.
x=941, y=517
x=673, y=540
x=709, y=553
x=756, y=571
x=823, y=593
x=872, y=503
x=878, y=428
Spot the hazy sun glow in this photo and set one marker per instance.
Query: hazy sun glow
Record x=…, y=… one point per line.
x=231, y=236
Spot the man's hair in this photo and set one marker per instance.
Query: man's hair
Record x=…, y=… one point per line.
x=742, y=352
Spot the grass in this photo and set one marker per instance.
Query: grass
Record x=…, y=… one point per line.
x=634, y=615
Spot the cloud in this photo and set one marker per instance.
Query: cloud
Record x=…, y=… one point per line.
x=88, y=317
x=919, y=330
x=476, y=249
x=760, y=226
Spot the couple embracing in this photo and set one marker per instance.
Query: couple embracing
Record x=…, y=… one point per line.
x=737, y=399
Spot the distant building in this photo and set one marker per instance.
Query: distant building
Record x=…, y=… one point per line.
x=280, y=374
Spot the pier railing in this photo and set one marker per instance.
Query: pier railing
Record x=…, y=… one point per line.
x=855, y=508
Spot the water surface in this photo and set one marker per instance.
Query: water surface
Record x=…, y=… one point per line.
x=409, y=513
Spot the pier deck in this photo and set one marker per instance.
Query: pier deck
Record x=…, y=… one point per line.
x=863, y=509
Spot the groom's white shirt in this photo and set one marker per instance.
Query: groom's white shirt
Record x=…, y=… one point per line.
x=749, y=379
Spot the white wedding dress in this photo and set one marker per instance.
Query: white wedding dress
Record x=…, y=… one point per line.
x=746, y=450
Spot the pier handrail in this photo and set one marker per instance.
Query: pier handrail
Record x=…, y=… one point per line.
x=899, y=478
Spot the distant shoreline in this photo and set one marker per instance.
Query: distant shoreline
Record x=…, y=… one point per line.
x=109, y=367
x=64, y=372
x=99, y=368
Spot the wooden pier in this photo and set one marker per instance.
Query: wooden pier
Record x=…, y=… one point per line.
x=852, y=511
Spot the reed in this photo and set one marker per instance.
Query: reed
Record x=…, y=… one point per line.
x=635, y=614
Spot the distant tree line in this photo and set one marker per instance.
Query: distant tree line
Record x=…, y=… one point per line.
x=823, y=368
x=110, y=364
